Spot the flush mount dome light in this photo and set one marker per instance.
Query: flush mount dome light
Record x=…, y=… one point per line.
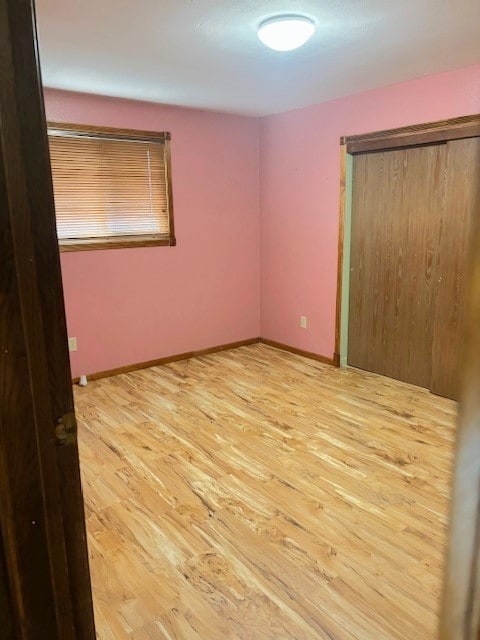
x=285, y=33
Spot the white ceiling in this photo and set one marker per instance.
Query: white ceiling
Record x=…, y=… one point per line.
x=205, y=53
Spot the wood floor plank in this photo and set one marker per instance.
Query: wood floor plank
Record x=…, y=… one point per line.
x=257, y=495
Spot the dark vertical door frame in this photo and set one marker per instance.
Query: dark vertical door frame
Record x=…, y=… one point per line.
x=41, y=507
x=428, y=133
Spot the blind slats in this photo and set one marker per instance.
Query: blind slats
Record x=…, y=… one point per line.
x=105, y=187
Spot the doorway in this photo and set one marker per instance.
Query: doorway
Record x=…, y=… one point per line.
x=406, y=211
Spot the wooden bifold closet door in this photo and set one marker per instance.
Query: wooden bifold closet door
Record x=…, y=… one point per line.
x=461, y=204
x=411, y=213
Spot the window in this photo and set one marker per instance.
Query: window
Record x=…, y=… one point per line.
x=112, y=187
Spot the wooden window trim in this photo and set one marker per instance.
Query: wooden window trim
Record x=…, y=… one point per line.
x=115, y=242
x=131, y=241
x=431, y=132
x=109, y=132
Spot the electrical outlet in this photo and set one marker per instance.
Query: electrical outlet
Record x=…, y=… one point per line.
x=72, y=344
x=303, y=322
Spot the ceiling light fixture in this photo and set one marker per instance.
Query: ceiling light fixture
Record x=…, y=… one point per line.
x=285, y=33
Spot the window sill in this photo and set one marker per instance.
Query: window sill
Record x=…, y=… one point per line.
x=118, y=242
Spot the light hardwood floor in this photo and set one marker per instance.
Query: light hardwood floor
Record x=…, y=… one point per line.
x=254, y=494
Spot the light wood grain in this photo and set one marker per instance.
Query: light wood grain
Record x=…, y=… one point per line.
x=256, y=494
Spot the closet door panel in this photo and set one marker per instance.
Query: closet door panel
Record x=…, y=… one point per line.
x=462, y=202
x=397, y=200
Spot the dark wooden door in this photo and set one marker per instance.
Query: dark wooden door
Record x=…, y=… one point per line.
x=461, y=206
x=396, y=212
x=6, y=610
x=44, y=577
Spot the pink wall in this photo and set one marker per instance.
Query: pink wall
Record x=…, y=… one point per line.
x=299, y=195
x=256, y=218
x=131, y=305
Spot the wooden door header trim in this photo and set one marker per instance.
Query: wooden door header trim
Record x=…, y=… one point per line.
x=430, y=132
